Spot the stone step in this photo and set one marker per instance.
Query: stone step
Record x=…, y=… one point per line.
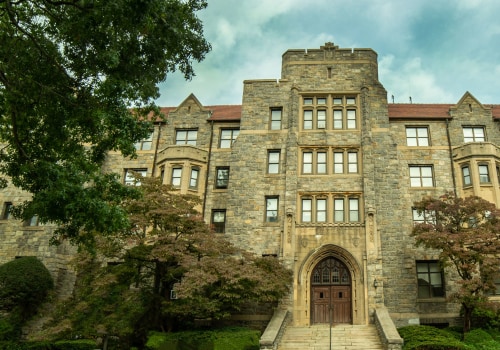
x=343, y=337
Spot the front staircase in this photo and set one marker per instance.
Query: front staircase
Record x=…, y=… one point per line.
x=343, y=336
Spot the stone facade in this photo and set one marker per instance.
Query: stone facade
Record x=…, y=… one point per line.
x=319, y=170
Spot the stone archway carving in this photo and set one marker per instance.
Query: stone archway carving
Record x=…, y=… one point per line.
x=305, y=289
x=325, y=251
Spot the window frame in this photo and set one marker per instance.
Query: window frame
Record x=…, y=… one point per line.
x=336, y=208
x=323, y=211
x=176, y=175
x=476, y=134
x=221, y=182
x=321, y=163
x=272, y=163
x=34, y=221
x=316, y=161
x=141, y=145
x=417, y=138
x=466, y=178
x=275, y=118
x=484, y=173
x=194, y=170
x=429, y=273
x=353, y=212
x=321, y=123
x=307, y=123
x=330, y=111
x=496, y=281
x=309, y=162
x=339, y=210
x=338, y=163
x=187, y=139
x=352, y=167
x=274, y=200
x=129, y=180
x=218, y=226
x=7, y=210
x=422, y=178
x=306, y=209
x=227, y=143
x=427, y=217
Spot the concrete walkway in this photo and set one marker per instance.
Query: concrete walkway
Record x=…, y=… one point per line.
x=344, y=337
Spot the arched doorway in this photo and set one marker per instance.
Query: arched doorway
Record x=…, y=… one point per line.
x=331, y=292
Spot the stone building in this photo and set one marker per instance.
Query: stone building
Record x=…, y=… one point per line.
x=320, y=170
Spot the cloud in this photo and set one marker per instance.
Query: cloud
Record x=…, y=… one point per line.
x=409, y=79
x=431, y=50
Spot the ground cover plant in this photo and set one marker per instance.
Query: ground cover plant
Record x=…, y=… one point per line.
x=424, y=337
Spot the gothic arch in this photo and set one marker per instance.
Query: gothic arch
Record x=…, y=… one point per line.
x=325, y=251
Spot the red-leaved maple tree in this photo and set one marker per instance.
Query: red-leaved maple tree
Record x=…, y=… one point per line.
x=466, y=233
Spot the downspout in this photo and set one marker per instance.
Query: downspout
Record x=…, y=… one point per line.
x=451, y=157
x=156, y=150
x=208, y=167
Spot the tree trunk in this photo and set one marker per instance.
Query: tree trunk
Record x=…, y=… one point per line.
x=105, y=342
x=467, y=318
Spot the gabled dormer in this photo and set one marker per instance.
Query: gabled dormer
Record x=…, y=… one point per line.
x=191, y=106
x=469, y=105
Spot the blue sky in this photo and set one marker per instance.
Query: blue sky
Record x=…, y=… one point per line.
x=431, y=50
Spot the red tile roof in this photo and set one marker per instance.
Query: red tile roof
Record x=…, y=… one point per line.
x=230, y=113
x=417, y=111
x=225, y=112
x=428, y=111
x=495, y=111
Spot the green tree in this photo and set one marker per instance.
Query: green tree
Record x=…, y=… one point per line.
x=466, y=232
x=77, y=79
x=168, y=248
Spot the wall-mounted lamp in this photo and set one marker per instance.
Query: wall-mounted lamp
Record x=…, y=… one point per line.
x=375, y=283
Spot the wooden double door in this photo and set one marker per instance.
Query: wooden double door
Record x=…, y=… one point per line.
x=331, y=290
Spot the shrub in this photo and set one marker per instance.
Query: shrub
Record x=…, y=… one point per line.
x=481, y=340
x=81, y=344
x=429, y=338
x=233, y=338
x=10, y=327
x=10, y=345
x=24, y=285
x=487, y=317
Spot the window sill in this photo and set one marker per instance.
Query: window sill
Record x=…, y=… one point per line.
x=330, y=224
x=272, y=223
x=432, y=300
x=32, y=228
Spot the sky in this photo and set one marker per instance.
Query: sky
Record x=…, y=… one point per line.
x=433, y=51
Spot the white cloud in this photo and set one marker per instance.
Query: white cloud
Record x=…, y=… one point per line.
x=410, y=80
